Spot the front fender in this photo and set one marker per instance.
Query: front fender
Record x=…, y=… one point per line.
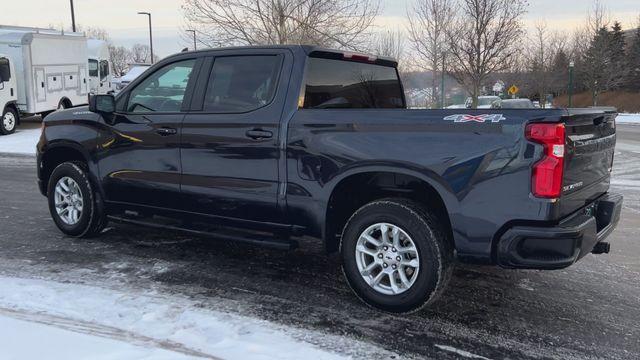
x=63, y=139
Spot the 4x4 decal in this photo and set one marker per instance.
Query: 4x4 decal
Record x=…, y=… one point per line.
x=463, y=118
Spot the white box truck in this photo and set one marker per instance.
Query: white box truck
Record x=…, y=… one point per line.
x=41, y=70
x=100, y=76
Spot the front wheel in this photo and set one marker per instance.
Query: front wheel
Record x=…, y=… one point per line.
x=9, y=121
x=73, y=203
x=395, y=256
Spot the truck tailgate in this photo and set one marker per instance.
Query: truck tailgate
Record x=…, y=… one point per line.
x=590, y=143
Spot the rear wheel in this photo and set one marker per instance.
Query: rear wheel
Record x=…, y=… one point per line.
x=64, y=104
x=73, y=203
x=9, y=121
x=395, y=256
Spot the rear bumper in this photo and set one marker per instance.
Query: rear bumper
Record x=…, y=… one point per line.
x=559, y=246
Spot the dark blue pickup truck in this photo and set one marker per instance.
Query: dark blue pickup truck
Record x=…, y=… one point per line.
x=272, y=144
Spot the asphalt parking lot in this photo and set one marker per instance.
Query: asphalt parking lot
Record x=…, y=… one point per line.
x=589, y=311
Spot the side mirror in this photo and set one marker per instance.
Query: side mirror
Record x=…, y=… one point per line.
x=102, y=104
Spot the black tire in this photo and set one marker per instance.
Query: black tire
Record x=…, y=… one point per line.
x=434, y=251
x=64, y=104
x=8, y=128
x=92, y=220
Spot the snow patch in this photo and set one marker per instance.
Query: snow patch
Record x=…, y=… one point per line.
x=174, y=320
x=628, y=119
x=33, y=340
x=21, y=142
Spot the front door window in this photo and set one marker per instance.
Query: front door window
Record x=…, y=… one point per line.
x=162, y=91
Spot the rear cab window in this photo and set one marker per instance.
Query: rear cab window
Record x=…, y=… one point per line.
x=333, y=83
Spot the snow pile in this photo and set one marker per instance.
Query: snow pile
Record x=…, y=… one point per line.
x=54, y=343
x=20, y=142
x=628, y=119
x=137, y=321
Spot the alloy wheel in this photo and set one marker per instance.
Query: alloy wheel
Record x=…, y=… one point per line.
x=387, y=258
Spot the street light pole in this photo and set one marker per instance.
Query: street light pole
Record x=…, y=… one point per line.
x=571, y=66
x=442, y=82
x=194, y=38
x=150, y=33
x=73, y=17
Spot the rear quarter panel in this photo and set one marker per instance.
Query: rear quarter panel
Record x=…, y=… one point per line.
x=482, y=170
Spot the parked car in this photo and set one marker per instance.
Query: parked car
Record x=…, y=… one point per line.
x=484, y=102
x=513, y=104
x=42, y=70
x=270, y=144
x=134, y=71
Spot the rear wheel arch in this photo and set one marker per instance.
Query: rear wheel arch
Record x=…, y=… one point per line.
x=359, y=188
x=65, y=103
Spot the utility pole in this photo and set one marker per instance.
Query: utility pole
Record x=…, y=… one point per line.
x=442, y=82
x=150, y=32
x=194, y=38
x=73, y=17
x=571, y=66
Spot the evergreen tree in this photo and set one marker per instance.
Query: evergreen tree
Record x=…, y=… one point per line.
x=596, y=63
x=633, y=62
x=617, y=71
x=560, y=72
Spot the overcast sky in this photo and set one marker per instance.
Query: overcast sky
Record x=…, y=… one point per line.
x=119, y=17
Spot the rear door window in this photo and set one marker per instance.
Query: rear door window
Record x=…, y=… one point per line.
x=340, y=84
x=240, y=84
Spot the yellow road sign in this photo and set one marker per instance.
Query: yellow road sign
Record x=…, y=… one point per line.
x=513, y=90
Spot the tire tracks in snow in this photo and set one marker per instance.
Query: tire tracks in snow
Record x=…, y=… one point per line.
x=105, y=331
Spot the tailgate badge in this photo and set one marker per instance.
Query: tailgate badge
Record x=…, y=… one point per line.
x=572, y=186
x=463, y=118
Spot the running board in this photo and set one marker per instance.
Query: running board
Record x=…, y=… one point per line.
x=254, y=239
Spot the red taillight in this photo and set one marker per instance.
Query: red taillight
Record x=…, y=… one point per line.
x=546, y=179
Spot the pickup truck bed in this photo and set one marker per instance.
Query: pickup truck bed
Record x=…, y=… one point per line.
x=270, y=144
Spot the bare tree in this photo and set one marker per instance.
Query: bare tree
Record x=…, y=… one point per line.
x=541, y=55
x=336, y=23
x=95, y=33
x=428, y=21
x=119, y=58
x=598, y=17
x=389, y=43
x=140, y=54
x=483, y=39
